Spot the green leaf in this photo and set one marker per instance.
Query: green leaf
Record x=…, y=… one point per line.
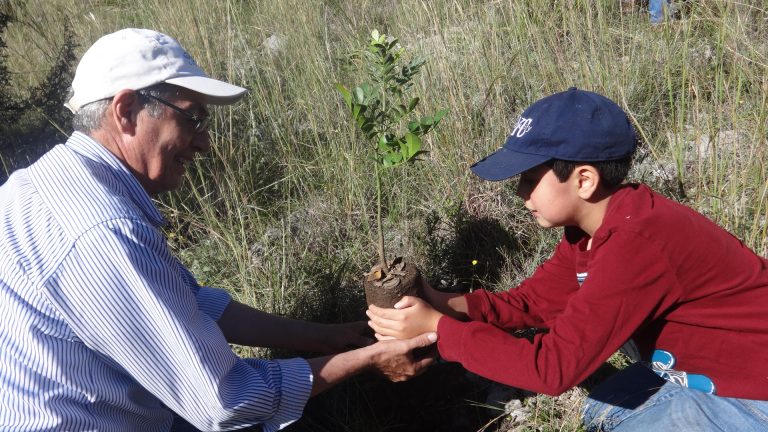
x=427, y=121
x=367, y=127
x=384, y=145
x=387, y=70
x=345, y=94
x=414, y=126
x=371, y=93
x=440, y=114
x=412, y=104
x=392, y=159
x=416, y=62
x=356, y=111
x=397, y=112
x=412, y=145
x=359, y=95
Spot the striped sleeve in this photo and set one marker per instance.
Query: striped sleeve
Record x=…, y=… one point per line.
x=211, y=301
x=136, y=307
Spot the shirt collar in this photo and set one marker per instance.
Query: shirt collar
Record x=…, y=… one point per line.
x=575, y=235
x=86, y=146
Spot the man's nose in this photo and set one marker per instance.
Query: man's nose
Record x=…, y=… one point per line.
x=202, y=142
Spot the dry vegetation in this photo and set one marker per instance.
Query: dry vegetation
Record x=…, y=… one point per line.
x=281, y=212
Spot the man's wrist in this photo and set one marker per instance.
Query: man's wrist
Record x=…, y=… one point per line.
x=369, y=355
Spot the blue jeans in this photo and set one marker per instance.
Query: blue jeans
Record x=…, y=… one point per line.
x=657, y=9
x=636, y=399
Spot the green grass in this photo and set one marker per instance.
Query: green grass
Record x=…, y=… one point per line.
x=281, y=212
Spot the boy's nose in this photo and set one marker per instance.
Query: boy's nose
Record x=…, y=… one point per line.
x=522, y=192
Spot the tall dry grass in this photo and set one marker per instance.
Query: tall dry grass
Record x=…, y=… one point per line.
x=280, y=212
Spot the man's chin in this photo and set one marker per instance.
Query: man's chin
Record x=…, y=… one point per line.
x=168, y=185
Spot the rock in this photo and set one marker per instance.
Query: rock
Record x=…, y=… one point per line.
x=273, y=44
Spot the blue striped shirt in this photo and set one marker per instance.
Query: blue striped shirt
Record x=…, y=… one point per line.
x=102, y=328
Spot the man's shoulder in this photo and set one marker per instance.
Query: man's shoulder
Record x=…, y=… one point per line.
x=79, y=192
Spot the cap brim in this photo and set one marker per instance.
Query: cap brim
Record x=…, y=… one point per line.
x=216, y=92
x=505, y=163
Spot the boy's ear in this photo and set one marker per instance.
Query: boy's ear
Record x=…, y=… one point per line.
x=588, y=181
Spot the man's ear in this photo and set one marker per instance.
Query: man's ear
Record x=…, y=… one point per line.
x=588, y=178
x=125, y=111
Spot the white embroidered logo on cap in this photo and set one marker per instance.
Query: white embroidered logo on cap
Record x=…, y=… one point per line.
x=190, y=61
x=522, y=127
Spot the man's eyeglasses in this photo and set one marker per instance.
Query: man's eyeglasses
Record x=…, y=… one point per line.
x=200, y=123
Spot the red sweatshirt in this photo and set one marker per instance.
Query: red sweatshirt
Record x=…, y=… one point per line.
x=658, y=273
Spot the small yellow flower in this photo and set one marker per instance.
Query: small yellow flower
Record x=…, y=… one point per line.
x=474, y=262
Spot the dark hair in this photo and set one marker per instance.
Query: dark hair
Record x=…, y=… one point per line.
x=612, y=172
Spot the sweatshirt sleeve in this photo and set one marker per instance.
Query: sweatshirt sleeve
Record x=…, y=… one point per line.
x=535, y=301
x=623, y=291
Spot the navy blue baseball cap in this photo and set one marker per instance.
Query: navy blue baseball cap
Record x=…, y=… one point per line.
x=574, y=125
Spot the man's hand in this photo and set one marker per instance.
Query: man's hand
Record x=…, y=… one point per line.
x=393, y=359
x=396, y=361
x=411, y=316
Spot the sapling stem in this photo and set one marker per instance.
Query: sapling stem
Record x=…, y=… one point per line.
x=379, y=227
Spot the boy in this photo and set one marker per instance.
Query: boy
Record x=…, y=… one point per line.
x=632, y=265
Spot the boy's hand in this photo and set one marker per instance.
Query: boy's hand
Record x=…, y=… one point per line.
x=411, y=316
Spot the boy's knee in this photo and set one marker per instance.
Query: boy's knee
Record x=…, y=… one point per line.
x=597, y=416
x=588, y=414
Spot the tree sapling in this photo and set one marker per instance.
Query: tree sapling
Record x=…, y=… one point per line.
x=384, y=114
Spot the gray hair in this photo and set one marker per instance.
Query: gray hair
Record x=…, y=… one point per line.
x=90, y=116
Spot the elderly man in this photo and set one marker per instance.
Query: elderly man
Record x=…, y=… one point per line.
x=103, y=329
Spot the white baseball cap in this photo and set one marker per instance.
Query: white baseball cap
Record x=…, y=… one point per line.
x=138, y=58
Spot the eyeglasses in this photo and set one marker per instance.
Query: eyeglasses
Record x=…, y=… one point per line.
x=200, y=123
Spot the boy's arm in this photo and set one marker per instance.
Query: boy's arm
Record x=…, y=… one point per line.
x=536, y=301
x=451, y=304
x=623, y=292
x=532, y=304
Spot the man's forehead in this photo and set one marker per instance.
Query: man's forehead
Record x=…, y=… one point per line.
x=190, y=100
